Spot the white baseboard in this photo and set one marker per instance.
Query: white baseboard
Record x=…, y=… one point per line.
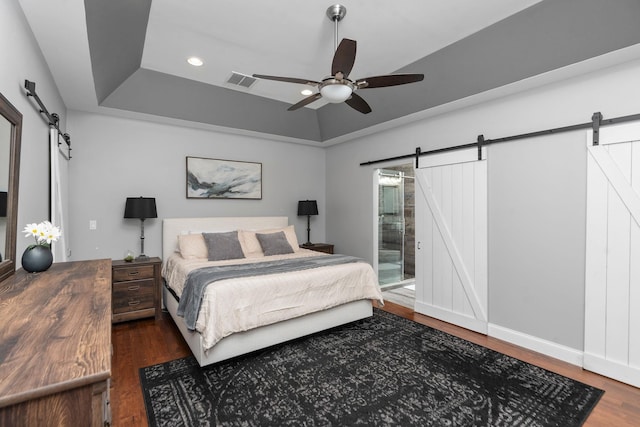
x=612, y=369
x=548, y=348
x=459, y=319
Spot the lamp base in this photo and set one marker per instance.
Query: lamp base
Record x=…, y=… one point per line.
x=142, y=257
x=307, y=244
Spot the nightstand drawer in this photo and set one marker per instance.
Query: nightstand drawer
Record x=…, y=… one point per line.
x=319, y=247
x=133, y=295
x=135, y=272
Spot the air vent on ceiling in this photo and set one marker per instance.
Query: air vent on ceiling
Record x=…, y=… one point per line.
x=240, y=79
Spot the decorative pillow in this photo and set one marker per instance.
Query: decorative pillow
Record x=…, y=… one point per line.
x=251, y=245
x=274, y=243
x=221, y=246
x=290, y=234
x=192, y=246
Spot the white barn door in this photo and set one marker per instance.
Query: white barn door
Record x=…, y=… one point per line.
x=451, y=239
x=612, y=277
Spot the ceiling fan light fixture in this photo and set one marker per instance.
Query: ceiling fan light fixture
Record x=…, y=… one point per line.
x=338, y=87
x=336, y=92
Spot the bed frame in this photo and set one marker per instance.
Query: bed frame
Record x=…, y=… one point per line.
x=264, y=336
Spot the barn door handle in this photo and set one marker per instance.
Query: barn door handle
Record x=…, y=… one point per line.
x=419, y=245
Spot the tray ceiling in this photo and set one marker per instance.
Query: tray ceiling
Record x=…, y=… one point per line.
x=129, y=57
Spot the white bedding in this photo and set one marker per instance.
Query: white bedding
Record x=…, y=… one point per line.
x=236, y=305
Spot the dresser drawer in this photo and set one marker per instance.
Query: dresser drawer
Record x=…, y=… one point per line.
x=135, y=272
x=133, y=295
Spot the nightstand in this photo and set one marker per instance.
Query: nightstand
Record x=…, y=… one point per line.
x=135, y=289
x=319, y=247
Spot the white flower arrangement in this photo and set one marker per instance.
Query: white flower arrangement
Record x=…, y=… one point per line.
x=44, y=233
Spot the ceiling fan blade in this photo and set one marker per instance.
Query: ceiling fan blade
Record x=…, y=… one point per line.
x=344, y=57
x=388, y=80
x=357, y=103
x=287, y=79
x=308, y=100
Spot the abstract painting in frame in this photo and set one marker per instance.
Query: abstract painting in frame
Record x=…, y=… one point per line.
x=223, y=179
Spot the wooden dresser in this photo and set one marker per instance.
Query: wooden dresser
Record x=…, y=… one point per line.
x=136, y=289
x=55, y=346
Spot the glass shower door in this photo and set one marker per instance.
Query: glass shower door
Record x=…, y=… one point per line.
x=391, y=226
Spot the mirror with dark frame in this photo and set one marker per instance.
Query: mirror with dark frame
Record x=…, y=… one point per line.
x=10, y=134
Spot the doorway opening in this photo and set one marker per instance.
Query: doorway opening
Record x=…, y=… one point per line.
x=395, y=231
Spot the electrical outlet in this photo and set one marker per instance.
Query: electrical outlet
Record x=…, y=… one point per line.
x=93, y=224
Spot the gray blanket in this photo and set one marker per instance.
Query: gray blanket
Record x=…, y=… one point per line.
x=197, y=280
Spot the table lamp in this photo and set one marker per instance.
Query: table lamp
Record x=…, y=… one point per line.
x=308, y=208
x=141, y=208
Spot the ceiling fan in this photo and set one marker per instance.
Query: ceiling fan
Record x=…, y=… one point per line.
x=338, y=87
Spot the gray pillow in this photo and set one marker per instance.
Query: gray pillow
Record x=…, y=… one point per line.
x=274, y=243
x=221, y=246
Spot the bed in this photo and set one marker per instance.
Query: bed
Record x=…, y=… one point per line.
x=269, y=321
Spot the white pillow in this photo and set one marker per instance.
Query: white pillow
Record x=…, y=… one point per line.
x=192, y=246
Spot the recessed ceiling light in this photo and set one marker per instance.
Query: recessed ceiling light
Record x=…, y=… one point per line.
x=306, y=92
x=195, y=61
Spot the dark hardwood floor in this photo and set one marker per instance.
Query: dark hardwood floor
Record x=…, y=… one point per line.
x=146, y=342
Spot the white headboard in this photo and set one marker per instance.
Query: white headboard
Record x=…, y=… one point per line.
x=173, y=227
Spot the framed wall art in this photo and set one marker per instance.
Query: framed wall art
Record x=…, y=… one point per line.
x=223, y=179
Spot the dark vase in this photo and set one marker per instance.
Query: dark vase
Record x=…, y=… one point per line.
x=37, y=258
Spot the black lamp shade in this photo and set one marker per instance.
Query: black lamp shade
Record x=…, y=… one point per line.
x=140, y=207
x=307, y=207
x=3, y=204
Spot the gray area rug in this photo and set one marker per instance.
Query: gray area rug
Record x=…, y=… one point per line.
x=381, y=371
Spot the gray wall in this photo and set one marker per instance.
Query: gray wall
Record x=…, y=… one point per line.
x=537, y=194
x=536, y=187
x=22, y=60
x=116, y=158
